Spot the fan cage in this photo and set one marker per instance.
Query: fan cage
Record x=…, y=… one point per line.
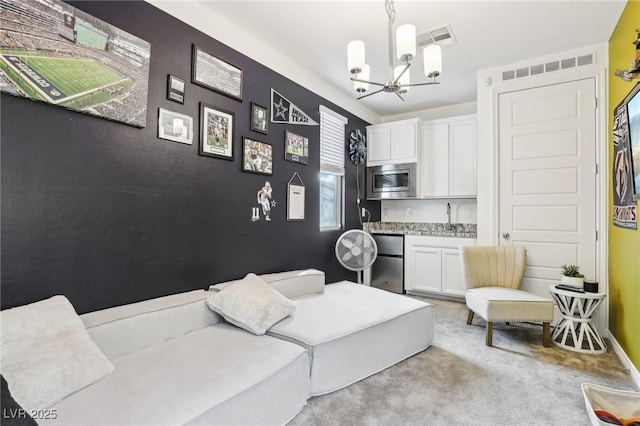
x=356, y=250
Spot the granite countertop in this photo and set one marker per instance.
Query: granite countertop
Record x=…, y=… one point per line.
x=460, y=230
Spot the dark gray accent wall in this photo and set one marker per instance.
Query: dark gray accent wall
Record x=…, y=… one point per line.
x=107, y=214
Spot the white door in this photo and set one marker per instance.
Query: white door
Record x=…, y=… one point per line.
x=547, y=194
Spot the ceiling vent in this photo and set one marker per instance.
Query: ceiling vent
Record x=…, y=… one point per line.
x=546, y=67
x=442, y=36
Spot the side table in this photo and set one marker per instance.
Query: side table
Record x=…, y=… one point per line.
x=575, y=331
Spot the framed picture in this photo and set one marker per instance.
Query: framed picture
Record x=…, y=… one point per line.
x=54, y=53
x=296, y=148
x=175, y=127
x=216, y=132
x=259, y=119
x=257, y=157
x=175, y=89
x=215, y=74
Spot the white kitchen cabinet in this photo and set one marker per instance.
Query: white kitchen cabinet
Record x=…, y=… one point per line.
x=447, y=166
x=432, y=264
x=393, y=143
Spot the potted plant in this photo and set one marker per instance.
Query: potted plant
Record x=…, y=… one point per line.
x=572, y=276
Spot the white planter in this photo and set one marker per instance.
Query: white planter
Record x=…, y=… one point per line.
x=573, y=281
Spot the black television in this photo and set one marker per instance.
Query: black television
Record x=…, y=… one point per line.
x=633, y=113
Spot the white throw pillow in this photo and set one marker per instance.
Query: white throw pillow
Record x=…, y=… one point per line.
x=47, y=353
x=251, y=304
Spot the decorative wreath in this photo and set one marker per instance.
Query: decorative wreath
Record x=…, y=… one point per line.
x=357, y=147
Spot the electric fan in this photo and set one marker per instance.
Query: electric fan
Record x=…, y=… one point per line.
x=356, y=250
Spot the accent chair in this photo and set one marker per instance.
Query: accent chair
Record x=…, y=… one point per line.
x=493, y=276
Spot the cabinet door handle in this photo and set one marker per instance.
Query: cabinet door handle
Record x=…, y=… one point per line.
x=505, y=235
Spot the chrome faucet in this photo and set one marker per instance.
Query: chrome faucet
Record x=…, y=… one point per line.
x=448, y=216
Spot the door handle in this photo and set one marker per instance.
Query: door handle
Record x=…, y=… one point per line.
x=505, y=235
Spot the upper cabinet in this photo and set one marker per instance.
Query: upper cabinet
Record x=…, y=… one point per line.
x=447, y=164
x=393, y=143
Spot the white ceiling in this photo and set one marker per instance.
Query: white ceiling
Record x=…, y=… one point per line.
x=315, y=34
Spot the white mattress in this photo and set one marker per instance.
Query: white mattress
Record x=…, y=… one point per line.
x=353, y=331
x=217, y=375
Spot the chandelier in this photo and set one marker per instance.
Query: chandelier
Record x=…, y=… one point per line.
x=399, y=82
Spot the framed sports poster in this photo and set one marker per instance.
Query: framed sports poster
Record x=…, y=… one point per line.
x=296, y=148
x=216, y=132
x=257, y=157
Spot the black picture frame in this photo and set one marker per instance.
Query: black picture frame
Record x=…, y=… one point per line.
x=217, y=131
x=207, y=69
x=259, y=118
x=296, y=148
x=175, y=89
x=257, y=157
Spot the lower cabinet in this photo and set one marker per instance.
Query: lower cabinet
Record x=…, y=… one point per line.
x=432, y=264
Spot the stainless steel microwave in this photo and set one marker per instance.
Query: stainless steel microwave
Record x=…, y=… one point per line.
x=391, y=181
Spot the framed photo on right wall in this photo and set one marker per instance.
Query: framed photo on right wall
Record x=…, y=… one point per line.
x=626, y=160
x=633, y=118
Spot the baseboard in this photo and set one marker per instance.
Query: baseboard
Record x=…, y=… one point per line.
x=635, y=374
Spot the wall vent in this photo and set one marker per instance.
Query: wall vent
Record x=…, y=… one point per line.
x=553, y=66
x=442, y=36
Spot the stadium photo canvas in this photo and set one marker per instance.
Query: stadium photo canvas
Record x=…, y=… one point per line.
x=55, y=53
x=216, y=132
x=215, y=74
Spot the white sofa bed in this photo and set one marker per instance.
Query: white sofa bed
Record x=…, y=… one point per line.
x=177, y=363
x=350, y=330
x=173, y=361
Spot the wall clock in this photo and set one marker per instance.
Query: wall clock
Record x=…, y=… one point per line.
x=357, y=147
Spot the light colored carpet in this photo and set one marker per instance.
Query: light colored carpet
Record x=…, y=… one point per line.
x=460, y=381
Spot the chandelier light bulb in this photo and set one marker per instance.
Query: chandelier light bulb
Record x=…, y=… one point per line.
x=406, y=42
x=432, y=60
x=359, y=86
x=355, y=56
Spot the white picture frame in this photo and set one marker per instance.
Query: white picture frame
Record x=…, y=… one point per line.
x=175, y=127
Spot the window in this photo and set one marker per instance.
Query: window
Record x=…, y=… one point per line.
x=332, y=144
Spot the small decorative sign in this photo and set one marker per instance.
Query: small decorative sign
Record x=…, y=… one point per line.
x=295, y=199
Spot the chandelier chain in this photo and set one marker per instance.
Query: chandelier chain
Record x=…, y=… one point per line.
x=391, y=10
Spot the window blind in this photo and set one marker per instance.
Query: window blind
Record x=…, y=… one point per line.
x=332, y=142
